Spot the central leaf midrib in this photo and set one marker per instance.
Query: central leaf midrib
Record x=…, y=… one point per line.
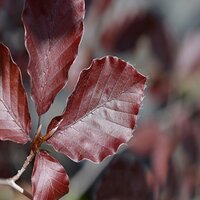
x=99, y=106
x=12, y=115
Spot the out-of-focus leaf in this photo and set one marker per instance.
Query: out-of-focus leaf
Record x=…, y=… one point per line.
x=161, y=158
x=14, y=114
x=49, y=179
x=53, y=32
x=83, y=60
x=100, y=6
x=145, y=139
x=161, y=87
x=102, y=111
x=151, y=142
x=1, y=2
x=124, y=33
x=124, y=180
x=188, y=59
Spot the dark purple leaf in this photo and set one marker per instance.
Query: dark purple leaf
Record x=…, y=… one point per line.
x=150, y=141
x=124, y=180
x=14, y=114
x=124, y=33
x=49, y=179
x=53, y=32
x=102, y=111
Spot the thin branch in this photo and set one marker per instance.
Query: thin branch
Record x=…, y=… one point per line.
x=25, y=165
x=10, y=182
x=3, y=181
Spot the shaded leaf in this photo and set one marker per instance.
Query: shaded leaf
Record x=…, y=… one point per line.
x=150, y=141
x=145, y=139
x=14, y=114
x=161, y=87
x=1, y=2
x=160, y=158
x=49, y=179
x=188, y=59
x=102, y=111
x=124, y=180
x=53, y=33
x=124, y=33
x=99, y=7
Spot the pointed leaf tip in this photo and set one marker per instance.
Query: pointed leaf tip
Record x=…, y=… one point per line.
x=14, y=115
x=101, y=113
x=53, y=33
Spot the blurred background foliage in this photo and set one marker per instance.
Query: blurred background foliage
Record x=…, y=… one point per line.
x=161, y=38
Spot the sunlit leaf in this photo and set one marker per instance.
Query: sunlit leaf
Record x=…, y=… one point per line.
x=14, y=114
x=49, y=179
x=102, y=111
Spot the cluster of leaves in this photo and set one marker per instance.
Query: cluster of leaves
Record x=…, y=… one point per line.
x=101, y=112
x=167, y=140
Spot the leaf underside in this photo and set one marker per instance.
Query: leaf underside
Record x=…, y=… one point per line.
x=49, y=179
x=14, y=114
x=101, y=113
x=53, y=33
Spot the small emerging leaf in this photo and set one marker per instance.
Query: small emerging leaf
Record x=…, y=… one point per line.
x=102, y=111
x=53, y=33
x=14, y=114
x=49, y=179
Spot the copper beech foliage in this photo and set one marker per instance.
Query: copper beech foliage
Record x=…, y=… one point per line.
x=53, y=178
x=101, y=112
x=53, y=32
x=14, y=115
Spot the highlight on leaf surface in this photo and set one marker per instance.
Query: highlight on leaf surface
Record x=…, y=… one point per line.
x=53, y=30
x=101, y=112
x=49, y=179
x=14, y=115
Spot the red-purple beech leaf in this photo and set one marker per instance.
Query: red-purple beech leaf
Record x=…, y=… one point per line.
x=53, y=33
x=101, y=112
x=49, y=179
x=14, y=114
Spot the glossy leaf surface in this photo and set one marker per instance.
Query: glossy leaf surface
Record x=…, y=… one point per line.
x=101, y=113
x=14, y=114
x=49, y=179
x=53, y=32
